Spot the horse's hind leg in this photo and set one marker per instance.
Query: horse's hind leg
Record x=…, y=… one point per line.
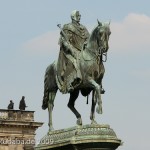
x=92, y=116
x=50, y=108
x=97, y=89
x=71, y=103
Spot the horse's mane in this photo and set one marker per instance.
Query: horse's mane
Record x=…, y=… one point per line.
x=93, y=33
x=92, y=41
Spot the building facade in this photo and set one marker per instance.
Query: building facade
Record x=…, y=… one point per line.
x=17, y=129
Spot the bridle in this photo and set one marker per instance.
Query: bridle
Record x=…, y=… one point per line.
x=101, y=56
x=101, y=52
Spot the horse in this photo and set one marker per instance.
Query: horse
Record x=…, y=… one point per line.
x=92, y=70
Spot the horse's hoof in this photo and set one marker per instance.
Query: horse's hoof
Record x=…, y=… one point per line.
x=93, y=122
x=92, y=116
x=79, y=121
x=98, y=110
x=51, y=129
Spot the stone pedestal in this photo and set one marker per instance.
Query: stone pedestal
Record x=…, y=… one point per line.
x=87, y=137
x=17, y=130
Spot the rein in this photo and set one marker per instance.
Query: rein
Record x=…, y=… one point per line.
x=100, y=54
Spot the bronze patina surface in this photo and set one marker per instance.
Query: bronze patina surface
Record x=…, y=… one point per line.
x=79, y=68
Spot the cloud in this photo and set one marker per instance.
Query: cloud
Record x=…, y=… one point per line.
x=132, y=34
x=43, y=44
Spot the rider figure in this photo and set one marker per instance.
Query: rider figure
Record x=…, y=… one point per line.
x=72, y=39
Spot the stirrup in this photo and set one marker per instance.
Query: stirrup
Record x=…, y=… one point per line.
x=102, y=91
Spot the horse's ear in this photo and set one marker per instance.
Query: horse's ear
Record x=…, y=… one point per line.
x=99, y=23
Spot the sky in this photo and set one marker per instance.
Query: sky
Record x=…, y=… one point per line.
x=29, y=43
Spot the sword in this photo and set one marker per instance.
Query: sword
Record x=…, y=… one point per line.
x=63, y=33
x=66, y=39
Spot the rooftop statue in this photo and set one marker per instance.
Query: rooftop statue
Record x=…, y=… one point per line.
x=79, y=66
x=11, y=105
x=22, y=104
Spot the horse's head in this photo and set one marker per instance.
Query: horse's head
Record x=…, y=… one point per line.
x=103, y=33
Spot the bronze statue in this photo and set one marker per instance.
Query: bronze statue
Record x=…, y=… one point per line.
x=22, y=104
x=85, y=60
x=11, y=105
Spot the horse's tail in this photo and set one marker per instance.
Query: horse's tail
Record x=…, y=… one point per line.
x=49, y=84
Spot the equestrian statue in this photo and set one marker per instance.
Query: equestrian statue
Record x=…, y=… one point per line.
x=79, y=67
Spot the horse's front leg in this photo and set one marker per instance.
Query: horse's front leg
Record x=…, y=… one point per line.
x=71, y=103
x=97, y=88
x=92, y=116
x=50, y=109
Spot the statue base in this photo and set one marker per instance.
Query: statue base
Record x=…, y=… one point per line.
x=86, y=137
